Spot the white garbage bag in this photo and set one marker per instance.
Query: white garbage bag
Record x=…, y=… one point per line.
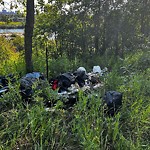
x=97, y=69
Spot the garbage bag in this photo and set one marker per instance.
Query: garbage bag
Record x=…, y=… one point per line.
x=4, y=81
x=113, y=99
x=4, y=90
x=80, y=77
x=65, y=80
x=97, y=69
x=27, y=82
x=82, y=69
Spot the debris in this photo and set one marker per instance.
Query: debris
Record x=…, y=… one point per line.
x=27, y=82
x=4, y=81
x=113, y=99
x=97, y=69
x=69, y=84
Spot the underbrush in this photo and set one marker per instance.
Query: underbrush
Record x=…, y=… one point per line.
x=85, y=126
x=12, y=61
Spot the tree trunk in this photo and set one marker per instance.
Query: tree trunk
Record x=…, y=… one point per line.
x=28, y=35
x=103, y=49
x=46, y=52
x=116, y=44
x=144, y=18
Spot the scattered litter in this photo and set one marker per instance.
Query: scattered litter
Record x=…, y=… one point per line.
x=67, y=85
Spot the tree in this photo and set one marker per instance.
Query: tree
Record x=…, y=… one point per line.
x=29, y=26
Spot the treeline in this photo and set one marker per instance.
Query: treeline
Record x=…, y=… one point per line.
x=87, y=33
x=85, y=29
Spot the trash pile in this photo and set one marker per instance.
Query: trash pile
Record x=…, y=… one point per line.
x=67, y=86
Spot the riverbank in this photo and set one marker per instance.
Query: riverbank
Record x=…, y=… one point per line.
x=8, y=35
x=11, y=25
x=10, y=32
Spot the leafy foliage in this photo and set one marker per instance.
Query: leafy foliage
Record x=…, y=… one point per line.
x=8, y=56
x=90, y=28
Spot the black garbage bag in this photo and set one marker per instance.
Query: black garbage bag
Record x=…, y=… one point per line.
x=65, y=80
x=4, y=81
x=3, y=90
x=27, y=82
x=80, y=77
x=113, y=99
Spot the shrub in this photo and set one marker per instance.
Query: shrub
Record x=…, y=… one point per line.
x=8, y=56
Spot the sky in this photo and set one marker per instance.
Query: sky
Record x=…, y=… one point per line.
x=7, y=5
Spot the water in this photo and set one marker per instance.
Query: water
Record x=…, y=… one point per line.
x=5, y=31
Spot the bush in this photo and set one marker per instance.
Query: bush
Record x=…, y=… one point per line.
x=8, y=57
x=138, y=61
x=18, y=42
x=61, y=65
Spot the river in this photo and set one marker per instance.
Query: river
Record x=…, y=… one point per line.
x=8, y=31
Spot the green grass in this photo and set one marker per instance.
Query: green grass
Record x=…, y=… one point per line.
x=11, y=24
x=82, y=127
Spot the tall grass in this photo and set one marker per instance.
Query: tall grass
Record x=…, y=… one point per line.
x=84, y=126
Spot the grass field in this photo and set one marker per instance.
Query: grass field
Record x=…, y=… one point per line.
x=82, y=127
